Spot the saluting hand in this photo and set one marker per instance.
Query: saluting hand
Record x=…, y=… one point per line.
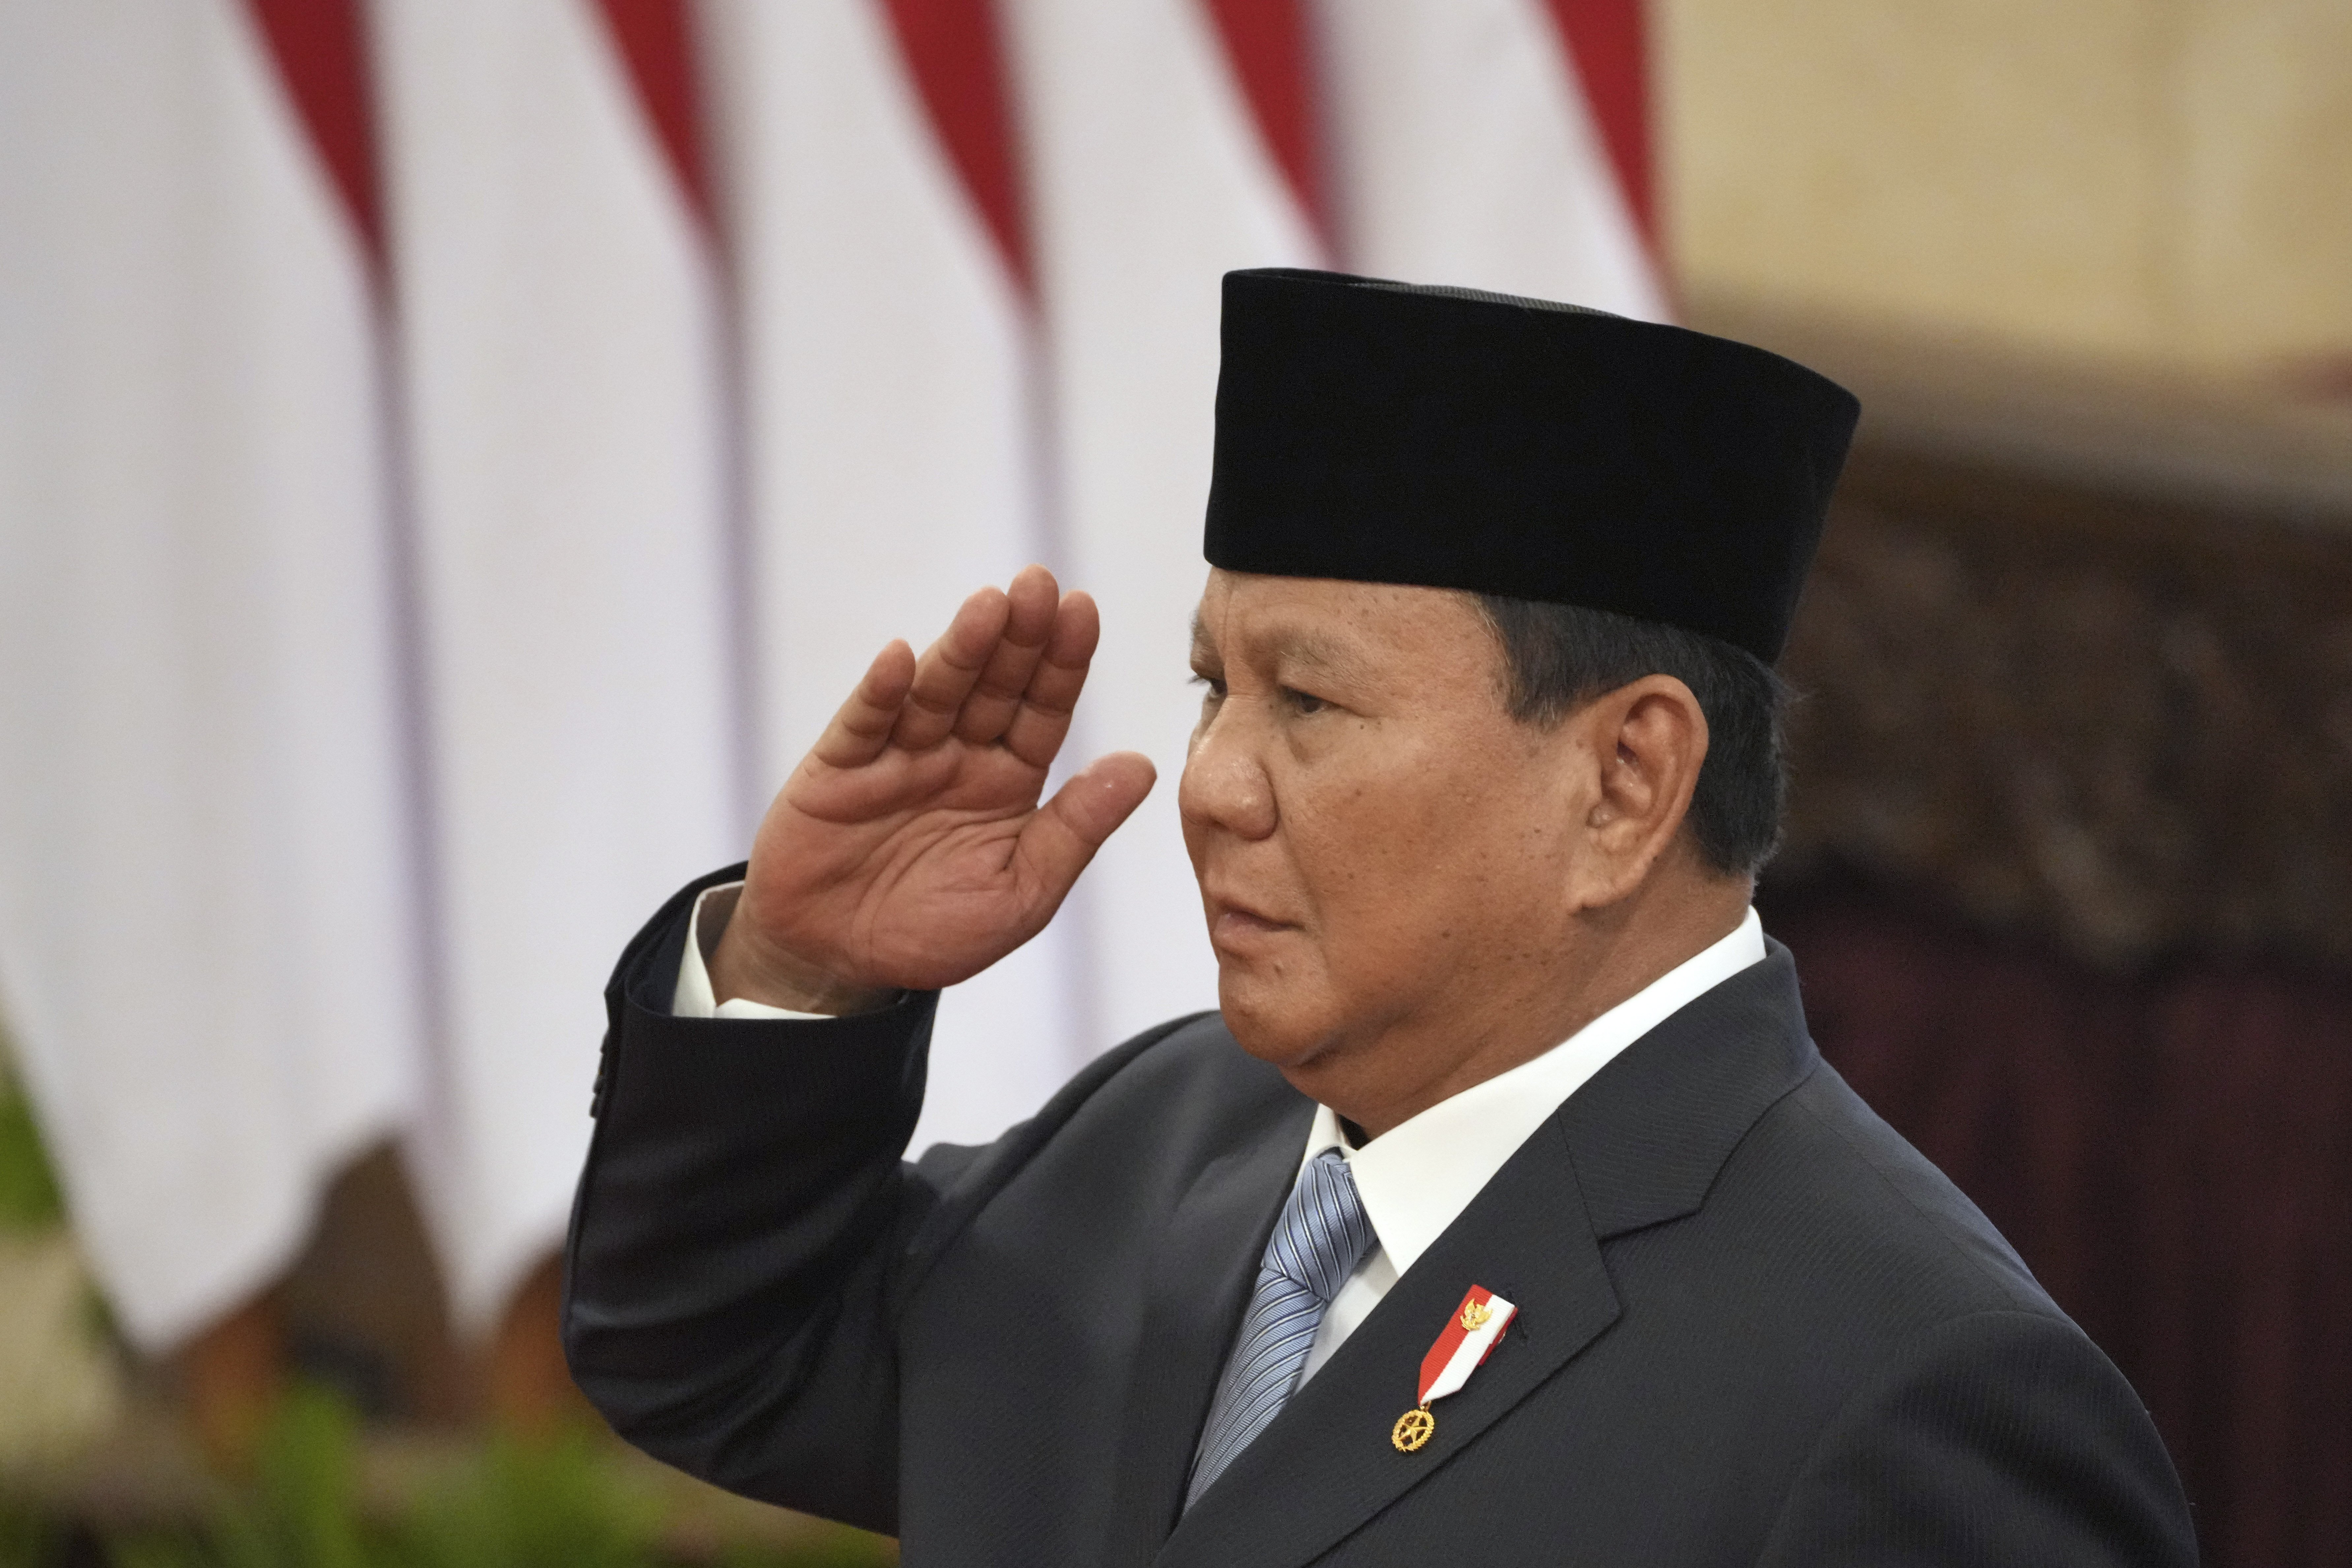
x=908, y=848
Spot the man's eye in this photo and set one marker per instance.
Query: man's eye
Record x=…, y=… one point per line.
x=1303, y=702
x=1214, y=687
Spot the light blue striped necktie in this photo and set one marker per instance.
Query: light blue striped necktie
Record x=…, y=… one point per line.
x=1315, y=1246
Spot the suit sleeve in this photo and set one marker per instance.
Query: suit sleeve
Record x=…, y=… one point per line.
x=740, y=1235
x=1999, y=1438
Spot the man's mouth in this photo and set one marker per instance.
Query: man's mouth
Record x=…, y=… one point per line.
x=1238, y=924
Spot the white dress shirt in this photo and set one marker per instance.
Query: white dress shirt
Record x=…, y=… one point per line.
x=1415, y=1179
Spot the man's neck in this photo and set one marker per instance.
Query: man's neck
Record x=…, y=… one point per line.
x=1619, y=953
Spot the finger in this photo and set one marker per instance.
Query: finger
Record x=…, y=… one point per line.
x=862, y=728
x=1028, y=626
x=1037, y=729
x=1057, y=842
x=945, y=674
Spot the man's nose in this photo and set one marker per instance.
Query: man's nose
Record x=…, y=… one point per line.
x=1224, y=786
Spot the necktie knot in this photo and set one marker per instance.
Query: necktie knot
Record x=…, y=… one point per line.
x=1323, y=1233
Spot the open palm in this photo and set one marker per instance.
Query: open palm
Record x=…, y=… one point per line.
x=908, y=848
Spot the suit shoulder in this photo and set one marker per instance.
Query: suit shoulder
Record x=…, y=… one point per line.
x=1873, y=1214
x=2062, y=1464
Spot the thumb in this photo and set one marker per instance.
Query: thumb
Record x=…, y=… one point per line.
x=1058, y=841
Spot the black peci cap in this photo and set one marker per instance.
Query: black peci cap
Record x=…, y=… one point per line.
x=1390, y=432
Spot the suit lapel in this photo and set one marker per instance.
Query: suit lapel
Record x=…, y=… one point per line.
x=1638, y=1145
x=1652, y=1129
x=1201, y=1275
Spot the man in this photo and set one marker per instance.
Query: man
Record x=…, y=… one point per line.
x=1505, y=1210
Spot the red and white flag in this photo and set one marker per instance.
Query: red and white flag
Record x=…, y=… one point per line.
x=1494, y=143
x=560, y=339
x=205, y=933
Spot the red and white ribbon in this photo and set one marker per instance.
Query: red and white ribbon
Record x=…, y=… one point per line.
x=1468, y=1335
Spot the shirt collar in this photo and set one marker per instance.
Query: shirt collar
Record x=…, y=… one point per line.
x=1416, y=1179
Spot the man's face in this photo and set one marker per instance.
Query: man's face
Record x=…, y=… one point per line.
x=1383, y=852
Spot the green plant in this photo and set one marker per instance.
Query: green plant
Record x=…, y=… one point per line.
x=561, y=1503
x=299, y=1511
x=551, y=1503
x=29, y=1198
x=27, y=1539
x=847, y=1549
x=302, y=1513
x=514, y=1503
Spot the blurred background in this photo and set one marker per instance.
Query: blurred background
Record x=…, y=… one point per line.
x=454, y=454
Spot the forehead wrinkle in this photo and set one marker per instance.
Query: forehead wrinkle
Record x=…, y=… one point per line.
x=1305, y=649
x=1315, y=651
x=1279, y=638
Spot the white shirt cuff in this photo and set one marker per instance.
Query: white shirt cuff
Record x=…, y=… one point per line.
x=694, y=998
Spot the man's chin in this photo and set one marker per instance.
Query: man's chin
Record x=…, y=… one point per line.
x=1268, y=1020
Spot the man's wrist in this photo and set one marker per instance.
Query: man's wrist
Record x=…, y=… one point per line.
x=743, y=969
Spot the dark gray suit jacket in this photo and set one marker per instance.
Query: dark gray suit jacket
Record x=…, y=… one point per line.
x=1754, y=1326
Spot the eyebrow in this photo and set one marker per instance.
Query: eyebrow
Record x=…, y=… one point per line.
x=1311, y=649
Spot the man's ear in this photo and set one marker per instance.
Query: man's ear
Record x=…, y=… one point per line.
x=1647, y=741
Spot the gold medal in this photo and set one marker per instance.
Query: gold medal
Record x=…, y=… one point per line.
x=1413, y=1429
